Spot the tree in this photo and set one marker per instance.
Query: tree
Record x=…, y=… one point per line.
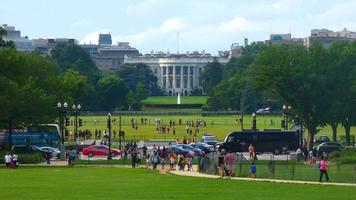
x=72, y=87
x=211, y=75
x=111, y=93
x=133, y=74
x=297, y=76
x=72, y=56
x=3, y=43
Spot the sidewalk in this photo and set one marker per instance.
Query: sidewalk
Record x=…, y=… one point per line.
x=201, y=175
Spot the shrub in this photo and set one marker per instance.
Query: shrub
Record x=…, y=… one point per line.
x=24, y=158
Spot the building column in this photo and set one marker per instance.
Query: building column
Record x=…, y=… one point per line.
x=188, y=77
x=181, y=80
x=174, y=80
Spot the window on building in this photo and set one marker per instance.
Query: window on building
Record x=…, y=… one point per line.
x=177, y=82
x=185, y=70
x=170, y=84
x=170, y=70
x=185, y=82
x=178, y=69
x=164, y=70
x=191, y=70
x=191, y=82
x=164, y=82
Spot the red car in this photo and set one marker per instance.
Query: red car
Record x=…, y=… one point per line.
x=100, y=150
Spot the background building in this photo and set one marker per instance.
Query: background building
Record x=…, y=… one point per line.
x=176, y=73
x=275, y=39
x=21, y=43
x=107, y=56
x=326, y=37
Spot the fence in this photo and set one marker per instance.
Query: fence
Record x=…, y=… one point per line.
x=288, y=169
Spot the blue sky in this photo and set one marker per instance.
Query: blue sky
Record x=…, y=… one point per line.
x=209, y=25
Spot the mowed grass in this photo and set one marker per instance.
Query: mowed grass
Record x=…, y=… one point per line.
x=220, y=126
x=156, y=100
x=119, y=183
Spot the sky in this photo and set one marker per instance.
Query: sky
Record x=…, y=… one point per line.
x=210, y=25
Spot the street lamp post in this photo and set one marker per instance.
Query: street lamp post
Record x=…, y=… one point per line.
x=76, y=112
x=120, y=134
x=109, y=140
x=254, y=125
x=62, y=109
x=286, y=112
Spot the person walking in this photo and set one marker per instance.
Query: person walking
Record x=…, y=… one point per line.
x=221, y=165
x=48, y=157
x=230, y=160
x=7, y=160
x=323, y=169
x=251, y=152
x=154, y=160
x=253, y=170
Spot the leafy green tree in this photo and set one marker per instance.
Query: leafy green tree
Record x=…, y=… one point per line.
x=211, y=75
x=71, y=56
x=72, y=87
x=133, y=74
x=111, y=93
x=297, y=77
x=3, y=43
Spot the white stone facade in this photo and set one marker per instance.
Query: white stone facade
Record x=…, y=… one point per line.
x=176, y=73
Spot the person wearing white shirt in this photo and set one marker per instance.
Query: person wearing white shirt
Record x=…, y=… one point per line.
x=8, y=160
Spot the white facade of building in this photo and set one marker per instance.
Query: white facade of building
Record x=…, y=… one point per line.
x=176, y=73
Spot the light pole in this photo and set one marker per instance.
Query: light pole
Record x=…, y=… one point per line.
x=109, y=140
x=76, y=112
x=286, y=112
x=254, y=125
x=62, y=109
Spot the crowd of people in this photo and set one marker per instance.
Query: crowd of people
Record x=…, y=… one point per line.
x=11, y=161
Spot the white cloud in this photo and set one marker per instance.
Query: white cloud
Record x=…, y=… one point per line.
x=81, y=23
x=142, y=7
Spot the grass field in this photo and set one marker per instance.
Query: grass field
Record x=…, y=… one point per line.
x=118, y=183
x=217, y=125
x=155, y=100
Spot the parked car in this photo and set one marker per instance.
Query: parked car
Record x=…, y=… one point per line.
x=263, y=110
x=100, y=150
x=55, y=152
x=197, y=151
x=177, y=150
x=28, y=149
x=209, y=139
x=328, y=147
x=321, y=139
x=203, y=146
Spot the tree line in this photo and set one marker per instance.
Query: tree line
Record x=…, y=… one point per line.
x=31, y=84
x=318, y=83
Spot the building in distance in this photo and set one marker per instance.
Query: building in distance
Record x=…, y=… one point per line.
x=275, y=39
x=326, y=37
x=107, y=56
x=176, y=73
x=21, y=43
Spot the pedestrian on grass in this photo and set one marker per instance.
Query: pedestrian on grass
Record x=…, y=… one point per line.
x=48, y=157
x=14, y=161
x=221, y=164
x=154, y=160
x=251, y=152
x=253, y=170
x=148, y=161
x=230, y=159
x=323, y=169
x=7, y=160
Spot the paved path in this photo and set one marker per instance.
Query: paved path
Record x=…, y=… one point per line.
x=198, y=174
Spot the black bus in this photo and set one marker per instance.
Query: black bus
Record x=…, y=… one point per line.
x=274, y=141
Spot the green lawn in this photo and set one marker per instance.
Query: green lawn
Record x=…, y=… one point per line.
x=118, y=183
x=155, y=100
x=217, y=125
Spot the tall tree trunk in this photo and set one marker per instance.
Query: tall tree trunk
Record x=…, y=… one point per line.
x=347, y=127
x=311, y=134
x=334, y=128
